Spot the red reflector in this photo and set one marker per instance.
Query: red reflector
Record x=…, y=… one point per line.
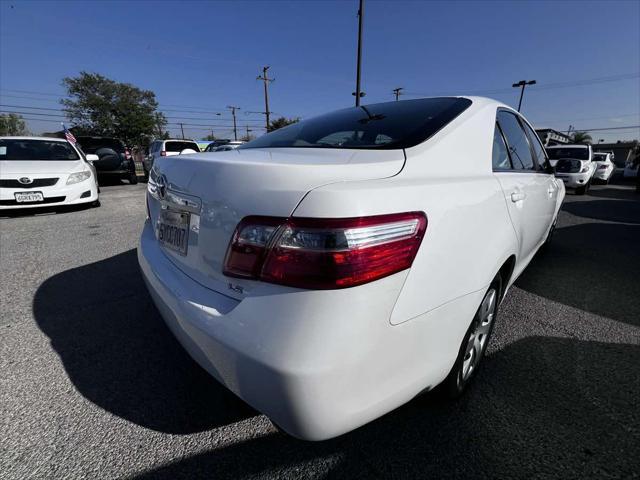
x=324, y=253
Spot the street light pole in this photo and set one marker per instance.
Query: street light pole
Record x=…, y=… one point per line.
x=396, y=92
x=522, y=84
x=358, y=93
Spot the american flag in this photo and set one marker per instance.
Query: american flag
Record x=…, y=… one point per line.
x=69, y=136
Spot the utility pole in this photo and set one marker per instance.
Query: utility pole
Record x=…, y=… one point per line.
x=358, y=93
x=522, y=84
x=233, y=112
x=182, y=130
x=396, y=92
x=248, y=130
x=265, y=78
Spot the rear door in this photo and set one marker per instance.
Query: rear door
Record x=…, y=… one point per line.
x=528, y=192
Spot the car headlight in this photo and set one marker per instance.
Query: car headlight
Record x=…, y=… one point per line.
x=78, y=177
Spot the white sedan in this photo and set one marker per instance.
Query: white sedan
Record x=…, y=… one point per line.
x=39, y=171
x=332, y=270
x=604, y=166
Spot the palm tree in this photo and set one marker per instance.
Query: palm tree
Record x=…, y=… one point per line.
x=581, y=137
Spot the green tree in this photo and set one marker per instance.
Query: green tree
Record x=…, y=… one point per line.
x=281, y=122
x=101, y=106
x=210, y=138
x=581, y=137
x=12, y=124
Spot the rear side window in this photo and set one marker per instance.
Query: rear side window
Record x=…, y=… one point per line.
x=390, y=125
x=179, y=146
x=500, y=154
x=537, y=146
x=517, y=141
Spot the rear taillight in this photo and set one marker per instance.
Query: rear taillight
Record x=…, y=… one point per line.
x=127, y=154
x=163, y=153
x=324, y=253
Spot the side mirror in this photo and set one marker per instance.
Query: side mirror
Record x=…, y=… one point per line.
x=92, y=158
x=549, y=169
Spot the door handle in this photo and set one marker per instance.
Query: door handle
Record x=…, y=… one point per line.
x=517, y=196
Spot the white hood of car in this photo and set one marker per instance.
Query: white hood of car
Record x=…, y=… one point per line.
x=11, y=168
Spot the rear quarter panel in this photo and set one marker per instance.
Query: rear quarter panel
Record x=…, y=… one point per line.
x=469, y=234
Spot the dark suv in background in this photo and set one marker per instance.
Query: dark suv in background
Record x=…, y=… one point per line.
x=115, y=159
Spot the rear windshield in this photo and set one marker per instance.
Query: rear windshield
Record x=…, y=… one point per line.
x=600, y=157
x=578, y=153
x=14, y=149
x=92, y=145
x=379, y=126
x=179, y=146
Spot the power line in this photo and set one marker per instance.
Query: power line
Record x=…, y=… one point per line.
x=539, y=87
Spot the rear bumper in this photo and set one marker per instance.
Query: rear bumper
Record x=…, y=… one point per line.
x=53, y=196
x=602, y=174
x=318, y=363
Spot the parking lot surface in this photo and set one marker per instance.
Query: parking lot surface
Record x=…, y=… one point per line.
x=93, y=385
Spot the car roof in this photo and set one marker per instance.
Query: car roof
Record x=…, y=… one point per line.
x=48, y=139
x=177, y=140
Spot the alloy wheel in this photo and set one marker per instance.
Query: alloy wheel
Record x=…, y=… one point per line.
x=479, y=337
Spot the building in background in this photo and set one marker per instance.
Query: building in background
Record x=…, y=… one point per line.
x=552, y=137
x=624, y=151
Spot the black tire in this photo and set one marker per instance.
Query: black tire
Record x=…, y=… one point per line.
x=581, y=190
x=133, y=179
x=460, y=376
x=95, y=204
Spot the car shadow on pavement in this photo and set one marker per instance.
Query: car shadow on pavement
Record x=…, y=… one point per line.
x=119, y=354
x=590, y=266
x=621, y=211
x=540, y=407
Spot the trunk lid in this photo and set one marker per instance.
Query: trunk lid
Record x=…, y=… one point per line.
x=219, y=189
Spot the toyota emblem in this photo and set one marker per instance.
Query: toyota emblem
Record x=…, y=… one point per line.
x=162, y=186
x=25, y=180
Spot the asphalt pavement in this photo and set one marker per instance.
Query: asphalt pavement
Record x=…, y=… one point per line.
x=93, y=385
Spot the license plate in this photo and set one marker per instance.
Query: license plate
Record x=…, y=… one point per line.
x=25, y=197
x=172, y=230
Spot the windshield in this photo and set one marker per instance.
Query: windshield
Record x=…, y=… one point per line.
x=577, y=153
x=15, y=149
x=180, y=146
x=379, y=126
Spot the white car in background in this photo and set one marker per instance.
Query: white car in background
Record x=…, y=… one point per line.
x=40, y=171
x=604, y=166
x=167, y=148
x=332, y=270
x=574, y=165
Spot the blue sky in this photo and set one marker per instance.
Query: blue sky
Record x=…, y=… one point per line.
x=202, y=56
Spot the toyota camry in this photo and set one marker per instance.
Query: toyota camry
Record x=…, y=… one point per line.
x=332, y=270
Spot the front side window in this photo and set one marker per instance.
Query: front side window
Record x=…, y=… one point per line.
x=40, y=150
x=517, y=141
x=390, y=125
x=500, y=155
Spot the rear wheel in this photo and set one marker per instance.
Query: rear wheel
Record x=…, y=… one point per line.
x=133, y=178
x=474, y=343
